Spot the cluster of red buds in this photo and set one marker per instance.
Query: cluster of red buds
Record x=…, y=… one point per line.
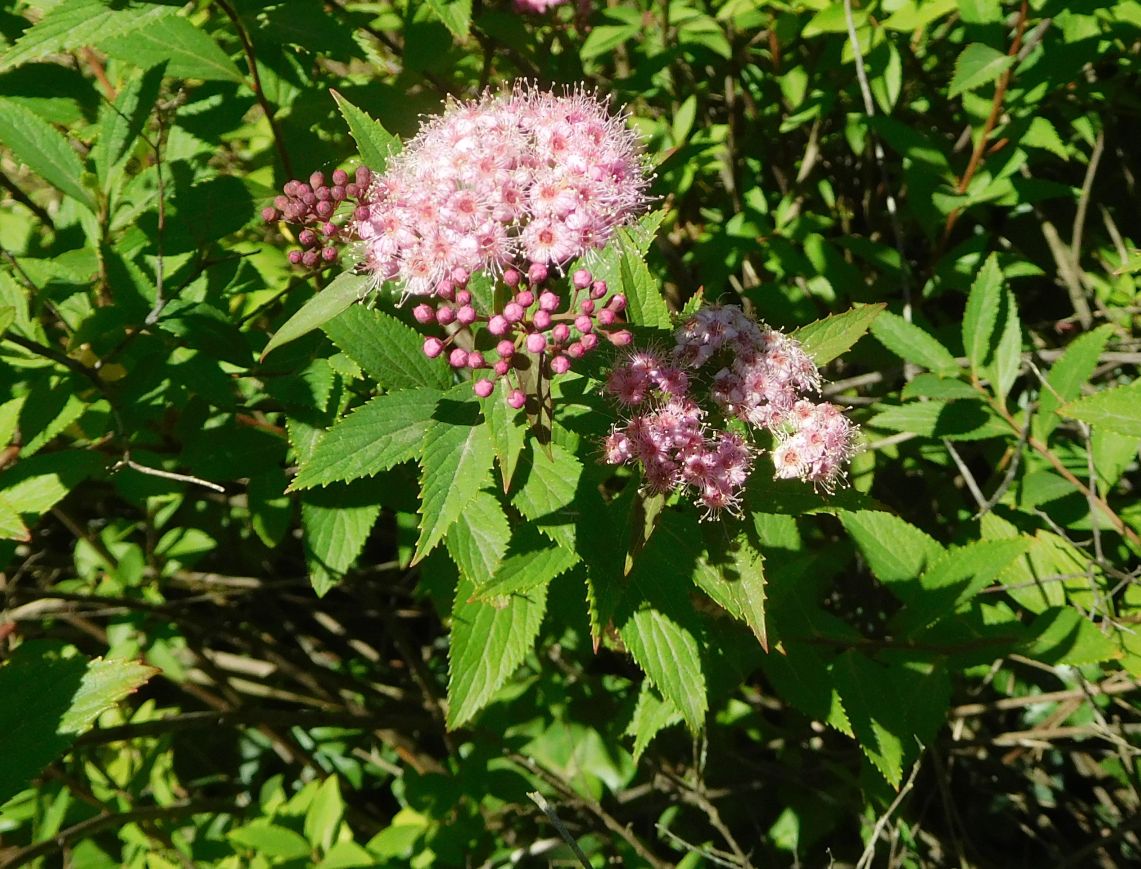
x=537, y=321
x=326, y=211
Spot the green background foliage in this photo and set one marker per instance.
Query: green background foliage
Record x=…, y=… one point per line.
x=279, y=590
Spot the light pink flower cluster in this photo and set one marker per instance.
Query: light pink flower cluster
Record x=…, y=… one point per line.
x=537, y=7
x=669, y=438
x=748, y=371
x=507, y=180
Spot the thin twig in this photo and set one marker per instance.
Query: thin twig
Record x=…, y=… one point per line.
x=549, y=810
x=870, y=849
x=167, y=475
x=968, y=477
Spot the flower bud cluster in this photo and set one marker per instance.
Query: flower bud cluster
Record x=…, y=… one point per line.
x=326, y=211
x=508, y=180
x=747, y=371
x=537, y=321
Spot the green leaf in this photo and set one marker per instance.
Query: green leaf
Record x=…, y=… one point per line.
x=336, y=523
x=77, y=23
x=895, y=550
x=646, y=305
x=48, y=701
x=733, y=577
x=323, y=817
x=390, y=352
x=374, y=143
x=912, y=344
x=1062, y=635
x=874, y=712
x=531, y=561
x=187, y=51
x=508, y=433
x=488, y=643
x=547, y=494
x=1066, y=377
x=376, y=436
x=478, y=540
x=455, y=14
x=44, y=149
x=977, y=65
x=343, y=291
x=1042, y=134
x=12, y=527
x=35, y=485
x=652, y=714
x=455, y=464
x=270, y=840
x=604, y=38
x=826, y=339
x=1006, y=361
x=958, y=420
x=1116, y=410
x=981, y=316
x=942, y=388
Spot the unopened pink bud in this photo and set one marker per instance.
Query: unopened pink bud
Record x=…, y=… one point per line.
x=307, y=238
x=513, y=312
x=582, y=279
x=511, y=277
x=316, y=179
x=309, y=258
x=537, y=273
x=525, y=298
x=576, y=350
x=445, y=315
x=587, y=306
x=483, y=388
x=340, y=177
x=295, y=257
x=583, y=323
x=541, y=320
x=589, y=341
x=617, y=304
x=560, y=333
x=433, y=347
x=536, y=343
x=361, y=212
x=498, y=325
x=363, y=175
x=505, y=348
x=598, y=289
x=460, y=276
x=269, y=214
x=424, y=314
x=501, y=367
x=606, y=317
x=516, y=399
x=619, y=339
x=329, y=254
x=337, y=192
x=466, y=315
x=325, y=210
x=445, y=289
x=475, y=359
x=548, y=301
x=330, y=229
x=560, y=365
x=458, y=358
x=463, y=297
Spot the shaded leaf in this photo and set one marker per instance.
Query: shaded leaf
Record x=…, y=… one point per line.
x=912, y=344
x=374, y=143
x=344, y=290
x=978, y=65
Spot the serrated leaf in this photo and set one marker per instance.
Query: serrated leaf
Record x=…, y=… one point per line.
x=1042, y=134
x=49, y=700
x=508, y=433
x=488, y=643
x=981, y=315
x=374, y=143
x=826, y=339
x=187, y=51
x=376, y=436
x=531, y=560
x=941, y=388
x=1062, y=635
x=957, y=421
x=977, y=65
x=121, y=122
x=390, y=352
x=895, y=550
x=336, y=523
x=44, y=149
x=342, y=292
x=646, y=305
x=12, y=527
x=1066, y=377
x=1006, y=359
x=874, y=712
x=77, y=23
x=1116, y=410
x=478, y=540
x=800, y=676
x=455, y=464
x=323, y=816
x=270, y=840
x=913, y=344
x=652, y=714
x=546, y=495
x=455, y=15
x=35, y=485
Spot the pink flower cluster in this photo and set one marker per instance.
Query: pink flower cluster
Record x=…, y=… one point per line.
x=535, y=320
x=314, y=206
x=537, y=7
x=747, y=371
x=505, y=181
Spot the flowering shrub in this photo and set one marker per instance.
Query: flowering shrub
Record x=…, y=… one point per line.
x=730, y=458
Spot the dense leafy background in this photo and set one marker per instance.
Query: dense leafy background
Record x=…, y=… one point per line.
x=368, y=646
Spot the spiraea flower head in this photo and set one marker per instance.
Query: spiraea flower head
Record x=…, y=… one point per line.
x=522, y=179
